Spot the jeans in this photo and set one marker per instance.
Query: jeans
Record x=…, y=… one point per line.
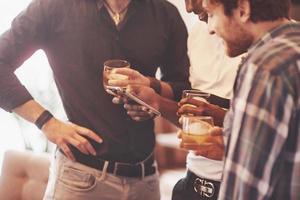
x=70, y=180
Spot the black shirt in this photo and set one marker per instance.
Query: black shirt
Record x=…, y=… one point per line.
x=77, y=37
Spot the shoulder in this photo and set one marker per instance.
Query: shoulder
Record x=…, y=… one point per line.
x=276, y=56
x=164, y=6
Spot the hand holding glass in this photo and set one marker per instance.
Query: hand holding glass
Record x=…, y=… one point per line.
x=108, y=74
x=195, y=129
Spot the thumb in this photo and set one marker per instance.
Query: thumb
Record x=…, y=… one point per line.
x=216, y=131
x=134, y=89
x=179, y=134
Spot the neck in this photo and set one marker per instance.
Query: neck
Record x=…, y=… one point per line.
x=117, y=5
x=259, y=29
x=295, y=12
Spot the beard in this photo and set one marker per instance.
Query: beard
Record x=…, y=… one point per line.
x=239, y=42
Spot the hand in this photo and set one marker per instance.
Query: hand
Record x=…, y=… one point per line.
x=134, y=78
x=146, y=94
x=212, y=147
x=119, y=99
x=200, y=108
x=138, y=112
x=65, y=134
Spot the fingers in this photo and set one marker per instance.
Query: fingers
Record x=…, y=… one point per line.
x=139, y=119
x=85, y=146
x=117, y=82
x=138, y=112
x=135, y=89
x=211, y=151
x=77, y=144
x=179, y=134
x=67, y=151
x=191, y=110
x=64, y=134
x=192, y=106
x=189, y=146
x=88, y=133
x=216, y=131
x=192, y=101
x=127, y=71
x=133, y=76
x=119, y=100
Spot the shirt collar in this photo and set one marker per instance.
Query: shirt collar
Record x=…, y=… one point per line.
x=271, y=34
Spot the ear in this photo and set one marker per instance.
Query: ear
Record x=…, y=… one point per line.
x=244, y=10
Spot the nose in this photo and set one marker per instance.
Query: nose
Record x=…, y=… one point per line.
x=211, y=32
x=210, y=27
x=189, y=6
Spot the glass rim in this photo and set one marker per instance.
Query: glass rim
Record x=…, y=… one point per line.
x=197, y=116
x=125, y=62
x=194, y=93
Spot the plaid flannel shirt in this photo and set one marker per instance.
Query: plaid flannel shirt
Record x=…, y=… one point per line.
x=262, y=158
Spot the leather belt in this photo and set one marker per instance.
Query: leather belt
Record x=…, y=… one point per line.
x=140, y=169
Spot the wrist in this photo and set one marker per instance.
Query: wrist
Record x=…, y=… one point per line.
x=43, y=118
x=157, y=101
x=48, y=126
x=155, y=84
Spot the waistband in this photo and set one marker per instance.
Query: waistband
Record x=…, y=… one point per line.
x=206, y=188
x=137, y=170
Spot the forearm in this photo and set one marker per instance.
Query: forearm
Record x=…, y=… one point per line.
x=168, y=109
x=30, y=110
x=166, y=90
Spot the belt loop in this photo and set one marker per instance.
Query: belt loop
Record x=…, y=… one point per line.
x=143, y=170
x=104, y=170
x=115, y=168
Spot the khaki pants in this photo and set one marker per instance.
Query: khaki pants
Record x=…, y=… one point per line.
x=73, y=181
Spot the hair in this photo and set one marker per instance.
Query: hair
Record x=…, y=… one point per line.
x=261, y=10
x=297, y=2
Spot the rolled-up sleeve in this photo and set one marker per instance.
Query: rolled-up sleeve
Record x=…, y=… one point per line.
x=176, y=69
x=26, y=35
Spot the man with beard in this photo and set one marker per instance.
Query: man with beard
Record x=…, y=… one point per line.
x=262, y=125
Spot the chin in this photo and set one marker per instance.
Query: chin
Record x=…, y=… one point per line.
x=234, y=50
x=239, y=44
x=233, y=53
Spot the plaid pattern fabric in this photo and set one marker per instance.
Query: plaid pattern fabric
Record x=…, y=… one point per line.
x=263, y=125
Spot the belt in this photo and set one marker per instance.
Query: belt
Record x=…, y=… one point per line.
x=206, y=188
x=140, y=169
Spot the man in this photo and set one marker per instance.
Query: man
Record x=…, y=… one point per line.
x=210, y=71
x=262, y=152
x=102, y=154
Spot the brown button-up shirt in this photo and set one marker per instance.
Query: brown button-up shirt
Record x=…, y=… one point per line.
x=77, y=37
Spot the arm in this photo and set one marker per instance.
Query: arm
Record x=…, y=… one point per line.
x=61, y=133
x=202, y=108
x=136, y=78
x=167, y=107
x=263, y=122
x=28, y=33
x=175, y=66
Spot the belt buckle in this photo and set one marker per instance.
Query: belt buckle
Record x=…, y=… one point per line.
x=204, y=187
